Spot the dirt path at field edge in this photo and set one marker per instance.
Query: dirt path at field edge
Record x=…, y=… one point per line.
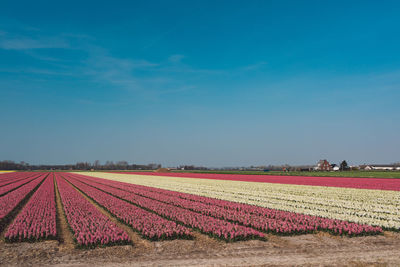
x=331, y=258
x=141, y=244
x=65, y=235
x=201, y=241
x=305, y=250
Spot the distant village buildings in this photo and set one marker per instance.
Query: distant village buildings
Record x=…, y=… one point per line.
x=335, y=167
x=323, y=165
x=381, y=167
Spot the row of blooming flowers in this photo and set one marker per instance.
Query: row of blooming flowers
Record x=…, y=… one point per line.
x=90, y=227
x=148, y=224
x=13, y=177
x=10, y=201
x=37, y=220
x=362, y=206
x=209, y=225
x=17, y=183
x=269, y=220
x=4, y=175
x=10, y=181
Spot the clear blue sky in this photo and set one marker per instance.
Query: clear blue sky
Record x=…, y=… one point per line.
x=215, y=83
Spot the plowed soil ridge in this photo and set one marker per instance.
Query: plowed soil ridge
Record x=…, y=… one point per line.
x=139, y=242
x=64, y=234
x=307, y=250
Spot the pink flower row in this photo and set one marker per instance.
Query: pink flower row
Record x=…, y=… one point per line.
x=148, y=224
x=206, y=224
x=269, y=220
x=9, y=175
x=11, y=200
x=15, y=178
x=6, y=188
x=37, y=220
x=89, y=225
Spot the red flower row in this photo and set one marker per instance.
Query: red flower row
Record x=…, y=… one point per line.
x=89, y=225
x=9, y=175
x=14, y=177
x=37, y=220
x=148, y=224
x=11, y=200
x=15, y=184
x=206, y=224
x=269, y=220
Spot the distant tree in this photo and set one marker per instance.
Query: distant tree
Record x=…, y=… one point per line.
x=344, y=166
x=80, y=166
x=96, y=164
x=122, y=165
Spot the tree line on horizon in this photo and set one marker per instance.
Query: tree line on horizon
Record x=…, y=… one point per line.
x=124, y=165
x=108, y=165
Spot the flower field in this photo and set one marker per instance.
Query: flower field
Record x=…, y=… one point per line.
x=90, y=226
x=363, y=206
x=206, y=224
x=348, y=182
x=10, y=201
x=105, y=209
x=37, y=220
x=259, y=218
x=7, y=186
x=148, y=224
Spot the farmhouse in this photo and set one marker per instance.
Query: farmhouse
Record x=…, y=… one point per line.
x=323, y=165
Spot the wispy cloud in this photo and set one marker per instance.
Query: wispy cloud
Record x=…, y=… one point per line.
x=255, y=66
x=42, y=57
x=157, y=39
x=178, y=90
x=100, y=66
x=28, y=43
x=176, y=58
x=38, y=71
x=175, y=64
x=119, y=72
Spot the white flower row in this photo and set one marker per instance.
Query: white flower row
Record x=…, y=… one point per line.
x=373, y=207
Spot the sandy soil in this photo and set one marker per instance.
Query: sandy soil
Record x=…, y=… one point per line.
x=309, y=250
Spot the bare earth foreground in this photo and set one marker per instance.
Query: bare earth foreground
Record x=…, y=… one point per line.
x=310, y=250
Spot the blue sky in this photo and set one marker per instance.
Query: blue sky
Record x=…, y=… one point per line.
x=215, y=83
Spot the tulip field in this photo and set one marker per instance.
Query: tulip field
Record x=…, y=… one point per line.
x=37, y=220
x=101, y=209
x=373, y=207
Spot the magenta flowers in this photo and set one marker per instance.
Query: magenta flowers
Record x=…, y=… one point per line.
x=220, y=209
x=209, y=225
x=9, y=179
x=11, y=200
x=37, y=220
x=14, y=185
x=148, y=224
x=89, y=225
x=268, y=220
